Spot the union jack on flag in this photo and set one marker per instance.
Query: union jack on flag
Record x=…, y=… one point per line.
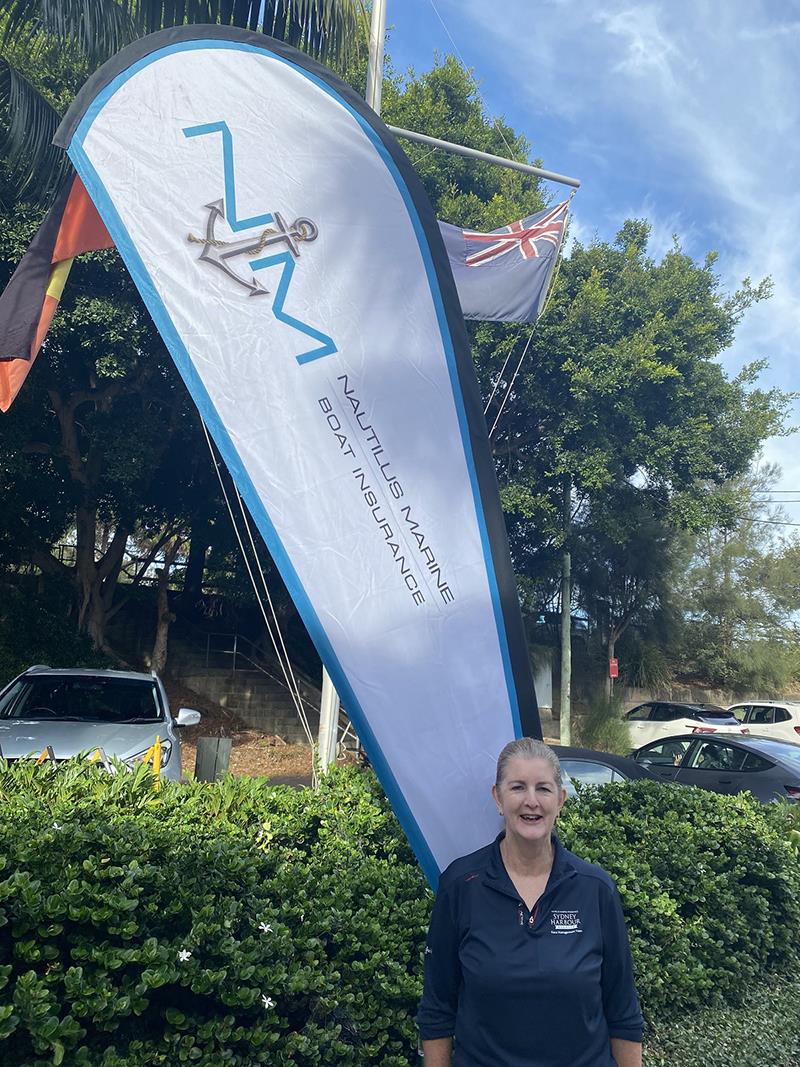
x=521, y=235
x=518, y=262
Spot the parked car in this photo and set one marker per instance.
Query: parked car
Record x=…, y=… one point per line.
x=588, y=767
x=770, y=718
x=724, y=763
x=662, y=718
x=79, y=710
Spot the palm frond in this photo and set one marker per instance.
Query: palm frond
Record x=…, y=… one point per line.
x=98, y=27
x=333, y=30
x=36, y=166
x=330, y=30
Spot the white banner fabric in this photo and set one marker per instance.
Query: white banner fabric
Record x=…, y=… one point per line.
x=281, y=256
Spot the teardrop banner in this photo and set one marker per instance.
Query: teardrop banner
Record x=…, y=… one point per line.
x=292, y=262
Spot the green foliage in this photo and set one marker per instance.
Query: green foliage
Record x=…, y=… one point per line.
x=140, y=928
x=708, y=885
x=36, y=629
x=747, y=666
x=741, y=593
x=105, y=886
x=762, y=1031
x=602, y=727
x=445, y=102
x=646, y=666
x=621, y=393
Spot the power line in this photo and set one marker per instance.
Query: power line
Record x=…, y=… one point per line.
x=769, y=522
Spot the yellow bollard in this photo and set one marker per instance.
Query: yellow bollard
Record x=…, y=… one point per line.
x=153, y=755
x=157, y=764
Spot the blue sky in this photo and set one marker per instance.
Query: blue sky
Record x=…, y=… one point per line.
x=683, y=112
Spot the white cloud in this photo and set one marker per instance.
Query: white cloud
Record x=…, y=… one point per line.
x=648, y=50
x=681, y=111
x=765, y=33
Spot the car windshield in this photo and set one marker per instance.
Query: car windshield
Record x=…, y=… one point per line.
x=82, y=699
x=782, y=750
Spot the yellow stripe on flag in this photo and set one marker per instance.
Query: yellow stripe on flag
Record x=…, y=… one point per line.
x=58, y=278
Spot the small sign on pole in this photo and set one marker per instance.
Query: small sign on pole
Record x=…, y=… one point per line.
x=613, y=668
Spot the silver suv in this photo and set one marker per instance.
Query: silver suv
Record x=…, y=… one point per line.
x=81, y=710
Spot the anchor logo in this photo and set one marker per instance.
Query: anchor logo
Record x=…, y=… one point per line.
x=273, y=231
x=218, y=253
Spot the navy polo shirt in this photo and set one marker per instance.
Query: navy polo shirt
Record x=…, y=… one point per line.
x=548, y=989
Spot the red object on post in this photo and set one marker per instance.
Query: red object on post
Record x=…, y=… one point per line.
x=613, y=668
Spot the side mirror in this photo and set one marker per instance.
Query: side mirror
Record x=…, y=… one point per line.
x=187, y=717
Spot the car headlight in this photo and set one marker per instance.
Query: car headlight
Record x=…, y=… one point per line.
x=137, y=757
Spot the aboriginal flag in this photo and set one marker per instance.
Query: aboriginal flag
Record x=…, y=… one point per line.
x=28, y=303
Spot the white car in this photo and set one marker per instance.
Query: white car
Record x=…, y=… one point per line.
x=665, y=718
x=769, y=718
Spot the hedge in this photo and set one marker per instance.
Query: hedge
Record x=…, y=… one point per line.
x=237, y=923
x=709, y=884
x=761, y=1030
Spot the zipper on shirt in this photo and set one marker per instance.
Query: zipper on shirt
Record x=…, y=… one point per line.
x=521, y=909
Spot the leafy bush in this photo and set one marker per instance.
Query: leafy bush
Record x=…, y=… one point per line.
x=602, y=727
x=761, y=1031
x=238, y=924
x=708, y=885
x=242, y=924
x=743, y=666
x=646, y=666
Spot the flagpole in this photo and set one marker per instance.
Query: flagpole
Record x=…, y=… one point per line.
x=485, y=157
x=377, y=35
x=330, y=703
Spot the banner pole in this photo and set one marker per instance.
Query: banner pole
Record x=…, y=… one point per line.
x=330, y=703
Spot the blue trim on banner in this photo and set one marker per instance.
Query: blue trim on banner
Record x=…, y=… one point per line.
x=208, y=412
x=327, y=346
x=228, y=169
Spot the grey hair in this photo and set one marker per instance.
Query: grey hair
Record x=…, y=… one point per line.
x=528, y=748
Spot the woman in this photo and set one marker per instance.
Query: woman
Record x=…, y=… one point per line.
x=528, y=962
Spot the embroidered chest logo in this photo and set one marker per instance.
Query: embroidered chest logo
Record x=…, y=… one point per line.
x=565, y=922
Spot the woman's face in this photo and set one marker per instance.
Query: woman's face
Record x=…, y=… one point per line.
x=529, y=798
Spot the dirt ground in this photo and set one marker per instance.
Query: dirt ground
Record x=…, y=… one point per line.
x=253, y=753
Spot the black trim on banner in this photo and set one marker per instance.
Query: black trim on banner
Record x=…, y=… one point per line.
x=473, y=405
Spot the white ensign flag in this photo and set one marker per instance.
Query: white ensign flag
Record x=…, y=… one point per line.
x=294, y=267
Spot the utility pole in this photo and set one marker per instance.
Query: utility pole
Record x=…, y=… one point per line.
x=566, y=620
x=330, y=703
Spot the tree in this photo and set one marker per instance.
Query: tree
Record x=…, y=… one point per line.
x=98, y=442
x=741, y=592
x=620, y=396
x=622, y=384
x=89, y=438
x=624, y=567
